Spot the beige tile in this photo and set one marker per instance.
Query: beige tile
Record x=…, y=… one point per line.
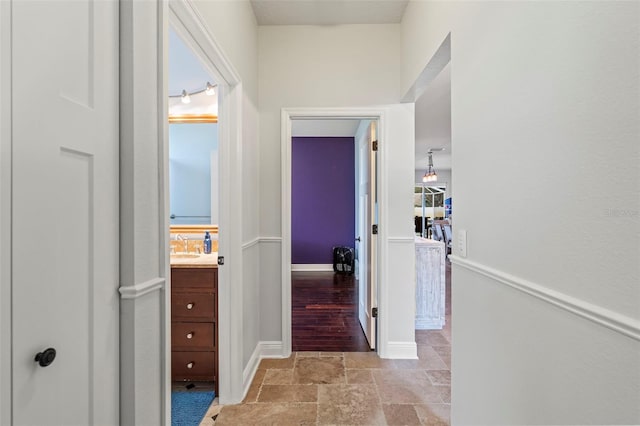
x=439, y=377
x=278, y=376
x=288, y=393
x=445, y=354
x=366, y=360
x=359, y=376
x=307, y=354
x=319, y=370
x=400, y=414
x=431, y=338
x=254, y=389
x=213, y=410
x=434, y=414
x=340, y=354
x=405, y=387
x=445, y=393
x=428, y=359
x=291, y=414
x=277, y=363
x=349, y=405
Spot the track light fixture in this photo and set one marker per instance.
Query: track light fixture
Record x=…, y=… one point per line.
x=210, y=90
x=185, y=97
x=430, y=174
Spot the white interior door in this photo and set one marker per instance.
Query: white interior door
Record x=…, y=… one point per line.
x=65, y=212
x=367, y=290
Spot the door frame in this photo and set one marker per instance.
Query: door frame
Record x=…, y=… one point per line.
x=188, y=23
x=373, y=113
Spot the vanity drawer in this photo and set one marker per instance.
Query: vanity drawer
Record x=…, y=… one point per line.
x=192, y=336
x=197, y=366
x=194, y=278
x=196, y=306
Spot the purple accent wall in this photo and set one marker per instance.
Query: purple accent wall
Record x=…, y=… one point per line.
x=322, y=197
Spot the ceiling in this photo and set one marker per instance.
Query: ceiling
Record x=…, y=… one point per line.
x=328, y=12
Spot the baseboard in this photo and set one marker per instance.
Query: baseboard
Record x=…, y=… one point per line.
x=401, y=350
x=262, y=350
x=319, y=267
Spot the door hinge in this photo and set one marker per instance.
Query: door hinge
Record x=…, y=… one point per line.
x=374, y=145
x=374, y=312
x=374, y=229
x=220, y=260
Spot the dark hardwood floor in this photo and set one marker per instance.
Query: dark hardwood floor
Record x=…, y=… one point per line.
x=324, y=311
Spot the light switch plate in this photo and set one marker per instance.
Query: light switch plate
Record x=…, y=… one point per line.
x=462, y=243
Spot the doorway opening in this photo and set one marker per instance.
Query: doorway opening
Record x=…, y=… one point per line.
x=194, y=224
x=220, y=310
x=394, y=122
x=327, y=290
x=433, y=196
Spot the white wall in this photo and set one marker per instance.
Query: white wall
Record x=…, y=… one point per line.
x=545, y=106
x=312, y=66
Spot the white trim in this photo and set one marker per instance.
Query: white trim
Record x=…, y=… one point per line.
x=140, y=289
x=315, y=267
x=402, y=350
x=372, y=113
x=271, y=349
x=188, y=22
x=623, y=324
x=270, y=239
x=250, y=370
x=402, y=240
x=260, y=240
x=250, y=244
x=261, y=351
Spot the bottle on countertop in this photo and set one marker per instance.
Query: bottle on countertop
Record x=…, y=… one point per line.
x=207, y=242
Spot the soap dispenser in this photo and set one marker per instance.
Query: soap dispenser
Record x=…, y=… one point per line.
x=207, y=242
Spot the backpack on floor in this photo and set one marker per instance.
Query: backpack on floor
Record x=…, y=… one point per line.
x=343, y=260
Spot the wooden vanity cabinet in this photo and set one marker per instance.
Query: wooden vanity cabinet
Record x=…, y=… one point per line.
x=194, y=324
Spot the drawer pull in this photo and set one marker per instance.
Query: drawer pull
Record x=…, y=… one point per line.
x=190, y=306
x=191, y=364
x=190, y=335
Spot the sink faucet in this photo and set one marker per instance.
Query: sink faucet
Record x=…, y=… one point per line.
x=184, y=241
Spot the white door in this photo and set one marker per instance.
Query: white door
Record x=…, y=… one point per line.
x=65, y=212
x=367, y=289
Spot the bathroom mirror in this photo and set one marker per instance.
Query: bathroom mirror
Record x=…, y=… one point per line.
x=193, y=172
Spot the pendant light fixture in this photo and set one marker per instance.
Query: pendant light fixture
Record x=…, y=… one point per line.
x=430, y=174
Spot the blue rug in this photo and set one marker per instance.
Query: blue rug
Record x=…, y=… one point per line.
x=189, y=407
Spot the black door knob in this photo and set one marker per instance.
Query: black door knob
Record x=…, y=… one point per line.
x=358, y=239
x=45, y=358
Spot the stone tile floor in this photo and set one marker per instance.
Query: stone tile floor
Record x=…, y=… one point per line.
x=348, y=388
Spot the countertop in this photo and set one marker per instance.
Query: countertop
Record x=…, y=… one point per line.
x=201, y=261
